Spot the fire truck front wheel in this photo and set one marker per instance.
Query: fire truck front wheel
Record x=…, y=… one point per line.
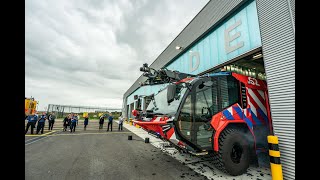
x=233, y=156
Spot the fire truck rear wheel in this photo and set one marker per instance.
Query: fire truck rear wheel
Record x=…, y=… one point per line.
x=233, y=156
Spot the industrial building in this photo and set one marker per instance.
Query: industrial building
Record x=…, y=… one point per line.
x=251, y=37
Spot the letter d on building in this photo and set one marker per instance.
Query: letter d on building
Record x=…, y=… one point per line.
x=195, y=66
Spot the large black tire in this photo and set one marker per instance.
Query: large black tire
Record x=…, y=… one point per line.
x=233, y=156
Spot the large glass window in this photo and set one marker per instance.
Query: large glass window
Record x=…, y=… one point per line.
x=229, y=91
x=138, y=104
x=203, y=104
x=159, y=103
x=185, y=118
x=206, y=105
x=147, y=100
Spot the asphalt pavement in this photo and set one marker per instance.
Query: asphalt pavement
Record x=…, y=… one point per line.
x=98, y=154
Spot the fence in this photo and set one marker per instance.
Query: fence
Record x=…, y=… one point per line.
x=93, y=112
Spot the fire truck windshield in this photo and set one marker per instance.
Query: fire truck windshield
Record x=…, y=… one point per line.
x=160, y=105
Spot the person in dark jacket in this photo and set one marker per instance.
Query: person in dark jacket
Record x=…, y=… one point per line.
x=110, y=119
x=65, y=123
x=77, y=118
x=51, y=119
x=86, y=121
x=41, y=122
x=32, y=119
x=69, y=120
x=101, y=122
x=73, y=123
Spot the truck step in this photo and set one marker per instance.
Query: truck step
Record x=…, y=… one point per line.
x=198, y=153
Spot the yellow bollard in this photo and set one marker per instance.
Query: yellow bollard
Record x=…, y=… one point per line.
x=137, y=126
x=274, y=153
x=130, y=121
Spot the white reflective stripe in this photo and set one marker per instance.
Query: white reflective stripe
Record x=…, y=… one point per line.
x=253, y=109
x=166, y=129
x=261, y=94
x=245, y=112
x=230, y=110
x=258, y=101
x=173, y=136
x=157, y=119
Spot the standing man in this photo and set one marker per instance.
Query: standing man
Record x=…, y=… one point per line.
x=51, y=119
x=77, y=118
x=86, y=121
x=110, y=122
x=101, y=122
x=41, y=122
x=69, y=121
x=73, y=123
x=120, y=123
x=65, y=123
x=32, y=119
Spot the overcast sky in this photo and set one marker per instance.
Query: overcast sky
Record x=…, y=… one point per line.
x=88, y=52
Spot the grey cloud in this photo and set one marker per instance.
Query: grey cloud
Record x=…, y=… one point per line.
x=89, y=52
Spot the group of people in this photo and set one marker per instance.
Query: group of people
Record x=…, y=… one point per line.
x=71, y=121
x=35, y=119
x=110, y=121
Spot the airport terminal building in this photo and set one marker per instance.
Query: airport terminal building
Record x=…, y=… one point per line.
x=251, y=37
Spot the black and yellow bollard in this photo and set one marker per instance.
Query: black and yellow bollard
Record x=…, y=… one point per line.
x=274, y=153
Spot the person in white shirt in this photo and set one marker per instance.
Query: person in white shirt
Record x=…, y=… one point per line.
x=120, y=123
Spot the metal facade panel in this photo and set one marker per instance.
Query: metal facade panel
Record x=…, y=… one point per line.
x=210, y=16
x=278, y=47
x=293, y=10
x=235, y=36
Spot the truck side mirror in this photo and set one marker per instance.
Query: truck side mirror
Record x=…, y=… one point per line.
x=171, y=91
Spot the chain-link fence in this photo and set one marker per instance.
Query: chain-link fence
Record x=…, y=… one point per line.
x=93, y=112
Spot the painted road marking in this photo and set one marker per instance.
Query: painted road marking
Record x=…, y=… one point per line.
x=40, y=134
x=88, y=134
x=76, y=134
x=48, y=134
x=36, y=139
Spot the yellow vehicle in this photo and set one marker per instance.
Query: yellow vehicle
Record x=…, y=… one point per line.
x=30, y=106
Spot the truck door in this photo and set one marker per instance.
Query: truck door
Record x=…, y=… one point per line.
x=206, y=105
x=185, y=119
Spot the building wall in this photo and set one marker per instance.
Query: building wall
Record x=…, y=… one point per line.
x=235, y=36
x=277, y=30
x=276, y=19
